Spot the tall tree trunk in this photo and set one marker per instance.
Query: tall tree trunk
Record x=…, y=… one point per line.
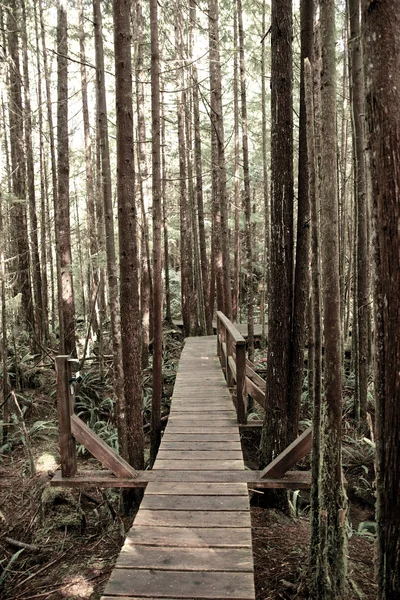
x=315, y=334
x=382, y=76
x=44, y=229
x=53, y=167
x=332, y=497
x=246, y=197
x=146, y=283
x=184, y=215
x=362, y=307
x=168, y=315
x=90, y=197
x=128, y=229
x=217, y=124
x=157, y=224
x=33, y=222
x=236, y=193
x=18, y=210
x=301, y=276
x=66, y=301
x=265, y=174
x=274, y=433
x=109, y=226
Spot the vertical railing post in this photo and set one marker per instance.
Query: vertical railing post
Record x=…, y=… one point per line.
x=65, y=410
x=219, y=337
x=229, y=375
x=241, y=394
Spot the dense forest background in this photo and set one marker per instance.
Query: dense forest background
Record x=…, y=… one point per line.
x=160, y=162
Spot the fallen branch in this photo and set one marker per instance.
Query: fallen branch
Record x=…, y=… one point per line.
x=18, y=544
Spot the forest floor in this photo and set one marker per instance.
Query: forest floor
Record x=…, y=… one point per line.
x=73, y=537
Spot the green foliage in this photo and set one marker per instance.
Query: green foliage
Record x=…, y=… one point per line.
x=7, y=568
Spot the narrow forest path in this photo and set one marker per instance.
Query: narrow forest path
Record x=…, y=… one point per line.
x=192, y=538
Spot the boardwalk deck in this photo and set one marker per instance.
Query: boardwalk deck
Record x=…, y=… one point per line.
x=192, y=539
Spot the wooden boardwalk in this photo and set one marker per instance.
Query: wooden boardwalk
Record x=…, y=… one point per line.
x=192, y=538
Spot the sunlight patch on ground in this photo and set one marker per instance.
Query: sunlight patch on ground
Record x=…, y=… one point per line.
x=78, y=587
x=46, y=462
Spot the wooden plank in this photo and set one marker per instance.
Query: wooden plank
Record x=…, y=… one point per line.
x=290, y=456
x=251, y=374
x=204, y=422
x=199, y=446
x=185, y=559
x=198, y=465
x=191, y=537
x=251, y=425
x=198, y=489
x=100, y=450
x=223, y=428
x=255, y=392
x=193, y=518
x=190, y=455
x=291, y=480
x=210, y=408
x=231, y=436
x=180, y=584
x=193, y=502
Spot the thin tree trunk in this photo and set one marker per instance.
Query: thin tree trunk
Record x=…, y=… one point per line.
x=66, y=301
x=43, y=213
x=90, y=197
x=217, y=124
x=265, y=176
x=246, y=197
x=157, y=225
x=301, y=275
x=109, y=227
x=362, y=306
x=53, y=170
x=33, y=222
x=18, y=210
x=146, y=282
x=332, y=573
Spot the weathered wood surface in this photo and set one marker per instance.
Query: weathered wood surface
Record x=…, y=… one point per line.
x=100, y=450
x=192, y=534
x=292, y=480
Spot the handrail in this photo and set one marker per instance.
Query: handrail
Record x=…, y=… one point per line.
x=231, y=350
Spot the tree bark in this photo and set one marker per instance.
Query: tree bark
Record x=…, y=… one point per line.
x=157, y=225
x=66, y=301
x=109, y=227
x=246, y=195
x=128, y=229
x=362, y=299
x=301, y=275
x=382, y=76
x=274, y=433
x=332, y=497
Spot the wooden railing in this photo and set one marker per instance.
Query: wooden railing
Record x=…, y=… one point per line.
x=72, y=428
x=231, y=350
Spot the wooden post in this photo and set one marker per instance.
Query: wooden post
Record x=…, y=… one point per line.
x=219, y=327
x=229, y=375
x=65, y=410
x=241, y=394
